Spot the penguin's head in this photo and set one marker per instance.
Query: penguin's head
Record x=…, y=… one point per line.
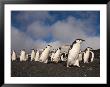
x=23, y=49
x=79, y=40
x=33, y=50
x=48, y=46
x=51, y=51
x=60, y=48
x=89, y=48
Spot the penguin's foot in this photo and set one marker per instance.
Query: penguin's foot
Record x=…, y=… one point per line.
x=87, y=62
x=36, y=60
x=91, y=60
x=45, y=62
x=40, y=60
x=55, y=61
x=78, y=66
x=68, y=66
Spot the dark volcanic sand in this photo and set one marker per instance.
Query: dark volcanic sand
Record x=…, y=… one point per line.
x=37, y=69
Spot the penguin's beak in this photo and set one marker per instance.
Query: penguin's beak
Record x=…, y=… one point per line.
x=83, y=40
x=50, y=46
x=91, y=49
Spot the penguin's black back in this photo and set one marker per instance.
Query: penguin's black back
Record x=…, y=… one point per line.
x=90, y=56
x=85, y=50
x=72, y=44
x=63, y=54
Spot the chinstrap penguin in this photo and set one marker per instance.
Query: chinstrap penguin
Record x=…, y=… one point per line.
x=73, y=53
x=45, y=55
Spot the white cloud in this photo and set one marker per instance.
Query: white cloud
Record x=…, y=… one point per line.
x=20, y=40
x=37, y=30
x=65, y=31
x=71, y=29
x=68, y=30
x=93, y=42
x=56, y=44
x=27, y=16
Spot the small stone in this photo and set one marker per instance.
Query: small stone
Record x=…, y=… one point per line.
x=83, y=66
x=90, y=68
x=85, y=75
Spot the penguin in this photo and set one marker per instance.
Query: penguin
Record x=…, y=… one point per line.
x=73, y=53
x=22, y=55
x=13, y=55
x=80, y=56
x=57, y=54
x=32, y=54
x=52, y=55
x=87, y=53
x=45, y=54
x=63, y=57
x=66, y=55
x=37, y=55
x=26, y=58
x=29, y=57
x=92, y=58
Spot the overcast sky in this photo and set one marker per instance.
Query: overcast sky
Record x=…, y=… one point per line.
x=37, y=29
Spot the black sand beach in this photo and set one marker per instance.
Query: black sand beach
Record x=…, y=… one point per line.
x=37, y=69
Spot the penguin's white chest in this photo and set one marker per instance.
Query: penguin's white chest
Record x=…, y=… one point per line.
x=32, y=54
x=57, y=53
x=80, y=56
x=87, y=54
x=26, y=56
x=23, y=54
x=37, y=56
x=44, y=55
x=22, y=57
x=57, y=56
x=74, y=52
x=52, y=55
x=13, y=56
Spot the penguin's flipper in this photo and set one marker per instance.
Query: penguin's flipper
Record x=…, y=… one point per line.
x=92, y=58
x=83, y=53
